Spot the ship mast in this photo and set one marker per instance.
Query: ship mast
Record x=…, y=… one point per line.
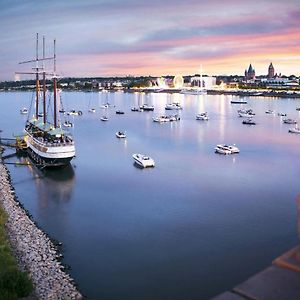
x=37, y=84
x=44, y=83
x=54, y=85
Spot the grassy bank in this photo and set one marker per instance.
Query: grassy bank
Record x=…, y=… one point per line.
x=13, y=283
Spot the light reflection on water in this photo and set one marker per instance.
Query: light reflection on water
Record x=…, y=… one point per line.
x=196, y=224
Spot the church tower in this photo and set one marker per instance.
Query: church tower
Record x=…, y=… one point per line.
x=250, y=74
x=271, y=71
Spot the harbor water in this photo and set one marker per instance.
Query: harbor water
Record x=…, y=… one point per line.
x=192, y=227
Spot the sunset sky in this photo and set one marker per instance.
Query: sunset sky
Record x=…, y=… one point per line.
x=136, y=37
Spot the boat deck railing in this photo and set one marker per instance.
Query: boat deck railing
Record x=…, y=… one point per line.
x=53, y=143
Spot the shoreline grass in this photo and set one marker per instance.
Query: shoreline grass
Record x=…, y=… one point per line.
x=14, y=283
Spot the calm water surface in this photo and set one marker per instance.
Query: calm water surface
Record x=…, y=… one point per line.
x=193, y=226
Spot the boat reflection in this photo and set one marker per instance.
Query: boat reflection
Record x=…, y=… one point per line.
x=52, y=185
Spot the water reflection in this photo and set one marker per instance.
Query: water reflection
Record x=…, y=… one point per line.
x=53, y=185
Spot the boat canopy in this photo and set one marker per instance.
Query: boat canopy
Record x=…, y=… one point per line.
x=57, y=132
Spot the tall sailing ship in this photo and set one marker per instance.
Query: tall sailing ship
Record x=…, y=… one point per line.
x=47, y=143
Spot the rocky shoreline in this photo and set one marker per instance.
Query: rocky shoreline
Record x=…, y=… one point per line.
x=34, y=251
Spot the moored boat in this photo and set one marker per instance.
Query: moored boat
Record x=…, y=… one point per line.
x=135, y=109
x=226, y=149
x=289, y=121
x=173, y=106
x=120, y=134
x=240, y=101
x=202, y=116
x=24, y=111
x=249, y=121
x=104, y=118
x=270, y=112
x=68, y=124
x=73, y=112
x=143, y=160
x=119, y=112
x=146, y=107
x=295, y=130
x=47, y=143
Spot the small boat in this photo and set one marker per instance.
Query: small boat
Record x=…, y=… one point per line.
x=62, y=111
x=104, y=118
x=135, y=109
x=174, y=118
x=270, y=112
x=68, y=124
x=119, y=112
x=298, y=108
x=238, y=102
x=249, y=121
x=92, y=110
x=294, y=130
x=143, y=160
x=121, y=135
x=202, y=116
x=246, y=111
x=40, y=114
x=161, y=119
x=245, y=115
x=24, y=111
x=281, y=114
x=173, y=106
x=73, y=112
x=146, y=107
x=289, y=121
x=226, y=149
x=107, y=105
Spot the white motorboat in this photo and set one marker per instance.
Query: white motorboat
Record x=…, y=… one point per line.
x=245, y=115
x=174, y=118
x=289, y=121
x=249, y=121
x=202, y=116
x=173, y=106
x=92, y=110
x=270, y=112
x=294, y=130
x=143, y=160
x=246, y=111
x=146, y=107
x=24, y=111
x=68, y=124
x=226, y=149
x=121, y=135
x=104, y=118
x=161, y=119
x=73, y=112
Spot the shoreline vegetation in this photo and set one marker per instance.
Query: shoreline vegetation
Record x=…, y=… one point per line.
x=31, y=250
x=14, y=283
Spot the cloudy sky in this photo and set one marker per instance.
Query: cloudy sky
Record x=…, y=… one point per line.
x=153, y=37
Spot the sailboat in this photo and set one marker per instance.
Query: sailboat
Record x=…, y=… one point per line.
x=47, y=143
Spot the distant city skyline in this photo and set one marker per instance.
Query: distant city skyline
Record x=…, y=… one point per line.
x=131, y=37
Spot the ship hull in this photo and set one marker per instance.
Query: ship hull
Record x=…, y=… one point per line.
x=50, y=156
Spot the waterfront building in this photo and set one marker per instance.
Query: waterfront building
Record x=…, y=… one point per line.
x=206, y=82
x=271, y=71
